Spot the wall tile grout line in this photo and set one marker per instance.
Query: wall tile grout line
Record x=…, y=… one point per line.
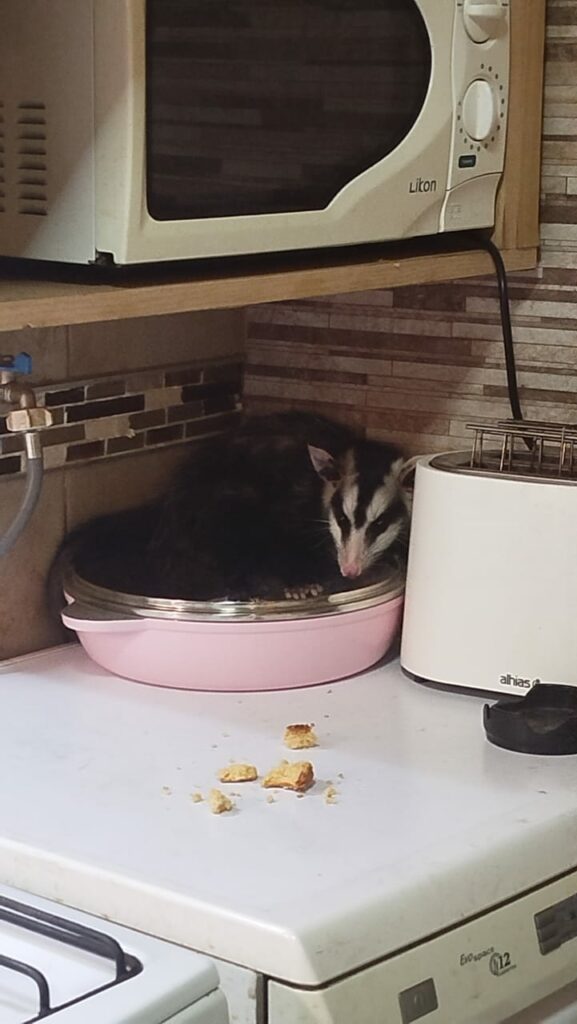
x=102, y=418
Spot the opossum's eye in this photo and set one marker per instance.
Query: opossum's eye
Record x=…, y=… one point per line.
x=343, y=521
x=383, y=520
x=395, y=513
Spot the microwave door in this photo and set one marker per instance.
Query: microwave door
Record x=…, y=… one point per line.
x=256, y=108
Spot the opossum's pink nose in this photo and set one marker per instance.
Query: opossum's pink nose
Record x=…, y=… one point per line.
x=350, y=569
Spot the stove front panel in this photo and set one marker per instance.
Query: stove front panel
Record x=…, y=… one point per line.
x=489, y=969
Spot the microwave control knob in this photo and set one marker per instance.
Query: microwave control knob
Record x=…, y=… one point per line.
x=484, y=20
x=479, y=110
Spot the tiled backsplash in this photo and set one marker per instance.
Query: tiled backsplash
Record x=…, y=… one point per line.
x=125, y=397
x=108, y=416
x=416, y=364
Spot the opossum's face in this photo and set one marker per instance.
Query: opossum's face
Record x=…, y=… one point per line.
x=367, y=509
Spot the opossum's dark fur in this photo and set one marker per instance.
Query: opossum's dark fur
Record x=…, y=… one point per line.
x=248, y=515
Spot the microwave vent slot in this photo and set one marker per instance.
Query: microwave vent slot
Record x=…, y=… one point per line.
x=32, y=159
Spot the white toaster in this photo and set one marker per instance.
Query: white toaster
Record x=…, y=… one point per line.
x=491, y=595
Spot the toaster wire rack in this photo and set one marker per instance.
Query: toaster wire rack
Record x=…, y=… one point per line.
x=528, y=448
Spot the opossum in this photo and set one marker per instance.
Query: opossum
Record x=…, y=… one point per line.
x=284, y=505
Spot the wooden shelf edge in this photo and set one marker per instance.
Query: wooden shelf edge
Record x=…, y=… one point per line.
x=31, y=303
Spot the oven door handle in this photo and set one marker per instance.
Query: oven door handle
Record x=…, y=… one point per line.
x=558, y=1007
x=568, y=1015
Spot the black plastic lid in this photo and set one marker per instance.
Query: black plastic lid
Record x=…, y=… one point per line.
x=544, y=722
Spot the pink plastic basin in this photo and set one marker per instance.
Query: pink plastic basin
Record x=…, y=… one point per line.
x=226, y=646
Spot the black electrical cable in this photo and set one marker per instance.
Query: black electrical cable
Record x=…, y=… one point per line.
x=510, y=367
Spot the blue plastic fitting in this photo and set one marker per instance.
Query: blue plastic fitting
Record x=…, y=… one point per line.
x=22, y=363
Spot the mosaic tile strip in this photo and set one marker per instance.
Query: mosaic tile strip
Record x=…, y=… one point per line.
x=415, y=364
x=107, y=417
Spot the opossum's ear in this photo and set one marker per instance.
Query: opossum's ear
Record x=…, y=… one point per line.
x=324, y=464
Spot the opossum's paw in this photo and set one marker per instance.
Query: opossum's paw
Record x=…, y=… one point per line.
x=303, y=591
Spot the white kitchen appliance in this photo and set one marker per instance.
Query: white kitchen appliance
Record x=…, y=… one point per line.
x=61, y=965
x=141, y=130
x=491, y=598
x=438, y=884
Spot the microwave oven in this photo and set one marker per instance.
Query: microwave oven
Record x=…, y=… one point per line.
x=134, y=131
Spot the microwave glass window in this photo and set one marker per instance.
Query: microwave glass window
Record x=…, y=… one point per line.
x=265, y=106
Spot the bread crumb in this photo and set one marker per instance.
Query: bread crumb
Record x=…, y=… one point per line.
x=166, y=790
x=219, y=802
x=340, y=775
x=270, y=799
x=297, y=775
x=330, y=794
x=299, y=737
x=238, y=773
x=196, y=798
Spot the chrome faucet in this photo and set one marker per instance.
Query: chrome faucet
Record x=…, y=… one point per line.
x=24, y=418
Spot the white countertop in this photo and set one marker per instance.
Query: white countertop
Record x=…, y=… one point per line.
x=432, y=823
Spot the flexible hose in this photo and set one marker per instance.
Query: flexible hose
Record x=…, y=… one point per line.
x=34, y=476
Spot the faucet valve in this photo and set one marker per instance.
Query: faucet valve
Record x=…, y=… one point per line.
x=26, y=417
x=19, y=420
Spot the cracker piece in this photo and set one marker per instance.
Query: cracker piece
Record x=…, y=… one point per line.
x=219, y=802
x=238, y=773
x=300, y=737
x=296, y=775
